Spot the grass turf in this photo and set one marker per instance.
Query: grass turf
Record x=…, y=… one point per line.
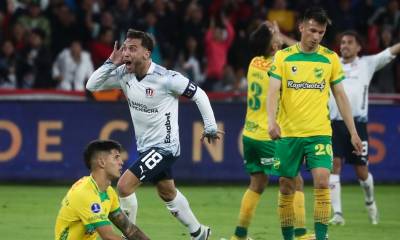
x=29, y=212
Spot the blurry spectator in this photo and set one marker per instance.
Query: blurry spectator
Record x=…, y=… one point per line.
x=8, y=61
x=384, y=80
x=102, y=47
x=285, y=18
x=388, y=15
x=64, y=29
x=150, y=25
x=189, y=63
x=218, y=40
x=124, y=16
x=35, y=19
x=18, y=35
x=194, y=25
x=72, y=68
x=34, y=65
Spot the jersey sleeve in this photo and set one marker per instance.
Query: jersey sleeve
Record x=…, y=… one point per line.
x=180, y=85
x=89, y=210
x=337, y=74
x=378, y=61
x=276, y=70
x=105, y=77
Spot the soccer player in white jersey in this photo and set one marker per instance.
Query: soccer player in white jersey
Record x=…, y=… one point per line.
x=358, y=72
x=153, y=95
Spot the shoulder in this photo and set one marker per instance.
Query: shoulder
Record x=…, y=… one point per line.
x=160, y=70
x=326, y=52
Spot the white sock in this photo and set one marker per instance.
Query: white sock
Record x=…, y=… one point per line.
x=179, y=207
x=334, y=185
x=129, y=205
x=368, y=187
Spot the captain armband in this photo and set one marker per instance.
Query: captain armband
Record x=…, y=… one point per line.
x=190, y=90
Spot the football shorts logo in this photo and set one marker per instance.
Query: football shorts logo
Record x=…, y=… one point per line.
x=95, y=208
x=149, y=92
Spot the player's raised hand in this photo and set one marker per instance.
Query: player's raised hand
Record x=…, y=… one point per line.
x=116, y=55
x=274, y=130
x=212, y=136
x=357, y=144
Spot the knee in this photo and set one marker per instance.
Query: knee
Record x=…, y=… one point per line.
x=167, y=194
x=337, y=165
x=299, y=183
x=322, y=183
x=287, y=186
x=124, y=187
x=258, y=184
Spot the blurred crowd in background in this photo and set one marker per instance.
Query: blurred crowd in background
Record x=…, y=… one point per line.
x=57, y=44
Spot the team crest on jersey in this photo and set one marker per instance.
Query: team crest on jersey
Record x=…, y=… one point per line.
x=149, y=92
x=294, y=69
x=95, y=208
x=318, y=72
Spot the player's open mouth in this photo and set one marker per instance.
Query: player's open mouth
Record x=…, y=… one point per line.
x=128, y=63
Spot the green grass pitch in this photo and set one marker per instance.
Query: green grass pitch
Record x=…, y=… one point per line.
x=28, y=212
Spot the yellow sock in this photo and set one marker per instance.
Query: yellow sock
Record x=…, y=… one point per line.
x=286, y=210
x=299, y=213
x=248, y=207
x=322, y=205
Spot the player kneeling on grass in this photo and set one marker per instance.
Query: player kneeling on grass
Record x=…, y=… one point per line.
x=92, y=204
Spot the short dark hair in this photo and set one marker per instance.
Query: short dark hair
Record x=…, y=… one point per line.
x=96, y=146
x=353, y=34
x=147, y=39
x=260, y=41
x=318, y=14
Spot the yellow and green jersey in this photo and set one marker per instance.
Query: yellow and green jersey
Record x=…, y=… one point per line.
x=306, y=80
x=83, y=209
x=256, y=123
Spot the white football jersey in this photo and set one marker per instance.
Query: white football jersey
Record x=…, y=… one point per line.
x=358, y=75
x=153, y=102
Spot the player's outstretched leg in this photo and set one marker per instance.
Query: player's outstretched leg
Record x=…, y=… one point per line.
x=299, y=209
x=127, y=184
x=335, y=187
x=129, y=205
x=322, y=202
x=367, y=184
x=285, y=207
x=179, y=207
x=249, y=203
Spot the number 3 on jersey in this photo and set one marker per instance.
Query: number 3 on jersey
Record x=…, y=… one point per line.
x=254, y=100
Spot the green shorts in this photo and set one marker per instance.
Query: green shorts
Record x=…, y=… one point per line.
x=258, y=155
x=290, y=153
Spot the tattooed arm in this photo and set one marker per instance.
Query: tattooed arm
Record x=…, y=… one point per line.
x=130, y=231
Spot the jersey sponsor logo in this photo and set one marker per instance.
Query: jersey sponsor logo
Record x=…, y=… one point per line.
x=149, y=92
x=306, y=85
x=95, y=208
x=168, y=128
x=141, y=107
x=190, y=90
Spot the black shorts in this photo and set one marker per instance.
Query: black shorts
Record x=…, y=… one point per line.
x=153, y=165
x=341, y=142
